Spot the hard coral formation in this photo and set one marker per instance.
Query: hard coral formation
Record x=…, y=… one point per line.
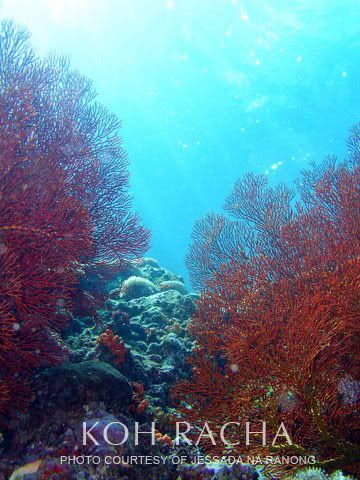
x=136, y=287
x=63, y=203
x=173, y=285
x=148, y=261
x=277, y=327
x=154, y=329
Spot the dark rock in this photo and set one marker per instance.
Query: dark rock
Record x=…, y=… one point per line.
x=81, y=383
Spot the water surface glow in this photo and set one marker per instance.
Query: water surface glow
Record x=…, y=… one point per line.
x=208, y=90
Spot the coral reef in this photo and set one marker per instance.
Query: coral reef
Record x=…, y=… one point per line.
x=93, y=387
x=63, y=204
x=277, y=328
x=164, y=439
x=153, y=328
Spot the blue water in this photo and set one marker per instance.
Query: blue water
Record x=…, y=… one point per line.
x=209, y=89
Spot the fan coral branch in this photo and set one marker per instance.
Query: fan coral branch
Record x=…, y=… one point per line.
x=64, y=203
x=277, y=328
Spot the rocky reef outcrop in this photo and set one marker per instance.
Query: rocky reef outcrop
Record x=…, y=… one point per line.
x=148, y=308
x=145, y=310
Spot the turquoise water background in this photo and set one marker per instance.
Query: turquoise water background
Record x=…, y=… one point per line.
x=209, y=89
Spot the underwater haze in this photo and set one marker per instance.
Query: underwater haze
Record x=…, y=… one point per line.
x=208, y=90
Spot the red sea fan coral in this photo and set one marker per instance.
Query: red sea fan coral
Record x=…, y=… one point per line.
x=82, y=138
x=63, y=204
x=42, y=232
x=277, y=327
